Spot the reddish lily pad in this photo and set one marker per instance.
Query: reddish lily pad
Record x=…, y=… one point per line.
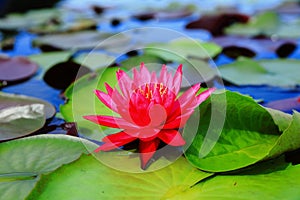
x=16, y=69
x=216, y=23
x=286, y=105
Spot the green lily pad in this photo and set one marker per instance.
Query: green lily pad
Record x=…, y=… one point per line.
x=279, y=72
x=32, y=18
x=135, y=61
x=89, y=179
x=81, y=40
x=63, y=26
x=289, y=140
x=268, y=24
x=248, y=135
x=28, y=158
x=94, y=60
x=269, y=181
x=82, y=101
x=265, y=23
x=183, y=49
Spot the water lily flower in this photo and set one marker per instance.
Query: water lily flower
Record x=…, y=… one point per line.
x=149, y=108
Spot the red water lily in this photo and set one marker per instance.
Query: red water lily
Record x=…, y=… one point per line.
x=149, y=109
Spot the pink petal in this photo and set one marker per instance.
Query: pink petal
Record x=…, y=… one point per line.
x=124, y=82
x=121, y=136
x=108, y=89
x=145, y=76
x=179, y=121
x=106, y=100
x=158, y=115
x=147, y=150
x=204, y=95
x=171, y=137
x=188, y=95
x=163, y=75
x=177, y=80
x=110, y=121
x=114, y=141
x=153, y=77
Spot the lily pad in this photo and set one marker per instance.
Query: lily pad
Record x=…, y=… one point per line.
x=11, y=100
x=182, y=49
x=80, y=180
x=16, y=69
x=268, y=24
x=19, y=121
x=269, y=181
x=262, y=24
x=279, y=72
x=137, y=60
x=235, y=46
x=248, y=135
x=28, y=158
x=81, y=40
x=286, y=105
x=216, y=24
x=82, y=101
x=32, y=18
x=94, y=60
x=47, y=60
x=60, y=26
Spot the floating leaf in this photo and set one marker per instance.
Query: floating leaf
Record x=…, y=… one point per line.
x=87, y=178
x=262, y=24
x=235, y=46
x=94, y=60
x=82, y=101
x=182, y=49
x=286, y=105
x=81, y=40
x=59, y=26
x=32, y=18
x=28, y=158
x=269, y=181
x=289, y=140
x=279, y=72
x=248, y=135
x=16, y=69
x=268, y=24
x=216, y=24
x=47, y=60
x=19, y=121
x=12, y=100
x=137, y=60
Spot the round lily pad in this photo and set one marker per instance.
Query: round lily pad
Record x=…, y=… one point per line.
x=16, y=69
x=81, y=40
x=13, y=100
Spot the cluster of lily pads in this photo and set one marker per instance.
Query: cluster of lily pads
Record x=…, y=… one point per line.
x=250, y=159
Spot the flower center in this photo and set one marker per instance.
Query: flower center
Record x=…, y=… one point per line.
x=148, y=89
